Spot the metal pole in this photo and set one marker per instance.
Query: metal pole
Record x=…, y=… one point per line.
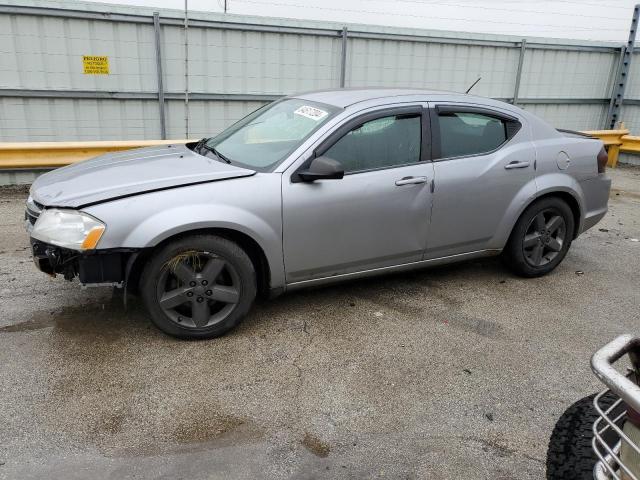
x=163, y=121
x=186, y=69
x=618, y=89
x=343, y=58
x=516, y=88
x=616, y=73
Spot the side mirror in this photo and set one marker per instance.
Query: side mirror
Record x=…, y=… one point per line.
x=322, y=168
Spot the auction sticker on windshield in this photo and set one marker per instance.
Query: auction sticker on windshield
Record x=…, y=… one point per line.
x=311, y=112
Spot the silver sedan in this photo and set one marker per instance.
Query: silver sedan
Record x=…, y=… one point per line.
x=316, y=188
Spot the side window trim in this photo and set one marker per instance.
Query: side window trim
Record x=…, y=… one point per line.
x=355, y=122
x=473, y=109
x=435, y=110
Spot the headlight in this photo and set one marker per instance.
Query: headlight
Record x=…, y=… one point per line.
x=68, y=229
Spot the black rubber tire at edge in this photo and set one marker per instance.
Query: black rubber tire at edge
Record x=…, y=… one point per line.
x=570, y=454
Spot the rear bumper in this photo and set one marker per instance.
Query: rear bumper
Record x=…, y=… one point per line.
x=596, y=199
x=592, y=219
x=95, y=267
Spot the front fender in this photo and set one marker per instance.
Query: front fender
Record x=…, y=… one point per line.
x=251, y=206
x=168, y=223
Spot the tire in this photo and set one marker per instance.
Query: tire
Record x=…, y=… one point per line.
x=570, y=454
x=543, y=232
x=198, y=287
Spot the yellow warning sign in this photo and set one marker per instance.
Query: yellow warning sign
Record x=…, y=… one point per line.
x=95, y=65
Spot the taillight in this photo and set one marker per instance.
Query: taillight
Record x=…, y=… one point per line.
x=603, y=159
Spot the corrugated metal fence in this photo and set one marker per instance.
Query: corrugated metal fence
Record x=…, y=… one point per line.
x=238, y=63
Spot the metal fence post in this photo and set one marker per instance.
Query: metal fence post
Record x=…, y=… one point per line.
x=343, y=58
x=516, y=88
x=614, y=78
x=621, y=83
x=163, y=120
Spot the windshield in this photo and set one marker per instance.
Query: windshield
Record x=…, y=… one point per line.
x=268, y=135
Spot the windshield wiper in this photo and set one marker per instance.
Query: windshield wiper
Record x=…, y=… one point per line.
x=200, y=143
x=215, y=152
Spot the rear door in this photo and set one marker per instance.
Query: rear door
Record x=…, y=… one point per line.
x=483, y=159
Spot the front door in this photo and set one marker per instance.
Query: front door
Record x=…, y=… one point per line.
x=378, y=214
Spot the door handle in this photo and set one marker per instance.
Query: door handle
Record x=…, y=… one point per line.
x=516, y=164
x=411, y=181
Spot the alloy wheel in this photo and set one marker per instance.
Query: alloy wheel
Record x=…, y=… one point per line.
x=198, y=289
x=544, y=237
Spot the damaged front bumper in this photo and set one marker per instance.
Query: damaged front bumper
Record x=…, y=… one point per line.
x=95, y=267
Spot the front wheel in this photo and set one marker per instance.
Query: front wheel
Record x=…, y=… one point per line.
x=198, y=287
x=541, y=238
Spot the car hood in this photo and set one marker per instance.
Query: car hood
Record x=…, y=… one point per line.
x=121, y=174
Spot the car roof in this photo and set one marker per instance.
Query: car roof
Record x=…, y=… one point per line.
x=345, y=97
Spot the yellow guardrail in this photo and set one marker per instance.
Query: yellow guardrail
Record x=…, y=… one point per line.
x=58, y=154
x=32, y=155
x=630, y=144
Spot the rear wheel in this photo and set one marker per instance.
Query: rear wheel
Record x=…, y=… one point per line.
x=541, y=238
x=198, y=287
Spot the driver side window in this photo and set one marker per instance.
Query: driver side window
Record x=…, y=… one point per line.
x=381, y=143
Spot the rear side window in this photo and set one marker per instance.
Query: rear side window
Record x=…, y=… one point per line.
x=381, y=143
x=466, y=133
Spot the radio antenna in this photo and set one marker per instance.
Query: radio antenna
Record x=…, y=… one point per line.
x=473, y=85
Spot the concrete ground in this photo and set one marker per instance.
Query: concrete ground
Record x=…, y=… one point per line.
x=451, y=373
